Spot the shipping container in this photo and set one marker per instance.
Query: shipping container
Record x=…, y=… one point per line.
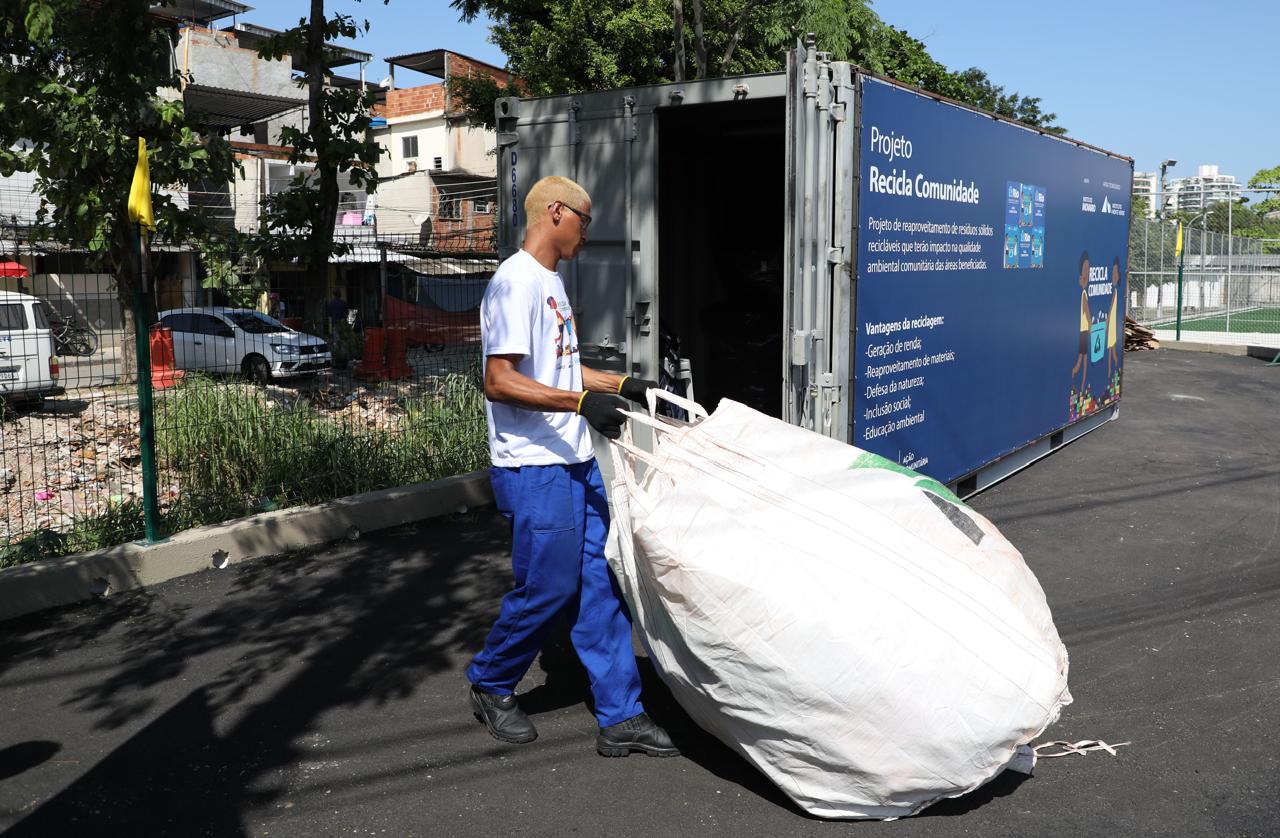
x=930, y=282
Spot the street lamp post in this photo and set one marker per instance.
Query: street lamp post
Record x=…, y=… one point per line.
x=1164, y=166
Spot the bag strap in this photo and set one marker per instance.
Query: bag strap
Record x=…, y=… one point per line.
x=1081, y=747
x=656, y=394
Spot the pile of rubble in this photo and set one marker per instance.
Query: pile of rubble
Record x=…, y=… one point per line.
x=1138, y=337
x=68, y=461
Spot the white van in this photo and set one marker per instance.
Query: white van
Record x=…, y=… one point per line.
x=28, y=368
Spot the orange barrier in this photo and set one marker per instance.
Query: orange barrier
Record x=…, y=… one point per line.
x=164, y=371
x=373, y=363
x=430, y=326
x=397, y=353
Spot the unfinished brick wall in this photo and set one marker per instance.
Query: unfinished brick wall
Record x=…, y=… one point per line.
x=433, y=97
x=412, y=100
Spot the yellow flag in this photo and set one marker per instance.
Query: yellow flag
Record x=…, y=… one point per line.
x=140, y=191
x=1177, y=245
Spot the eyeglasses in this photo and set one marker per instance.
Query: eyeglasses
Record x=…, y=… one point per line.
x=582, y=216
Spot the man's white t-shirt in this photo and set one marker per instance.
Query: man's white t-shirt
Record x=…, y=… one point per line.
x=526, y=312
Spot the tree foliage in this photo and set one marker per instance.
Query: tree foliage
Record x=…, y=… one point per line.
x=84, y=82
x=297, y=223
x=561, y=46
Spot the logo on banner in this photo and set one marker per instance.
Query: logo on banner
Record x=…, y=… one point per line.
x=1087, y=204
x=1112, y=208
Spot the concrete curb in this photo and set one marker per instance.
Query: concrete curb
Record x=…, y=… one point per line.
x=54, y=582
x=1265, y=353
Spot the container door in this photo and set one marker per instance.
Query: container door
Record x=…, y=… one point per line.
x=819, y=242
x=605, y=140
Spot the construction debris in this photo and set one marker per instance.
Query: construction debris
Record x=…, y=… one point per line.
x=1138, y=337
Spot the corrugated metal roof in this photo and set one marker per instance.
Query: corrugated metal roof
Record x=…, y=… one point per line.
x=200, y=11
x=229, y=108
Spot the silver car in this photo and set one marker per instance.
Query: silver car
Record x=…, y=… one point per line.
x=230, y=340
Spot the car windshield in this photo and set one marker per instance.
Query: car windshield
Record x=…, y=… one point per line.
x=256, y=323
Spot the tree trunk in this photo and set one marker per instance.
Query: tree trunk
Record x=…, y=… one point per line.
x=677, y=20
x=737, y=35
x=321, y=237
x=699, y=42
x=127, y=265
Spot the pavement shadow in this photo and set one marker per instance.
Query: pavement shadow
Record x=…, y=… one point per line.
x=23, y=756
x=350, y=630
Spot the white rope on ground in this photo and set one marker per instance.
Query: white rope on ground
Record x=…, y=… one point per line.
x=1081, y=747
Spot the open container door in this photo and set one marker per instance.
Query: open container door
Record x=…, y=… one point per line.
x=603, y=140
x=820, y=242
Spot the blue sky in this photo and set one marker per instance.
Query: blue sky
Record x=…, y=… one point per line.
x=1193, y=81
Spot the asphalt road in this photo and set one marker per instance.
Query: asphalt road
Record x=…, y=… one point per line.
x=324, y=695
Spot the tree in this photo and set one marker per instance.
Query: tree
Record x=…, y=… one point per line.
x=82, y=85
x=560, y=46
x=1267, y=179
x=298, y=223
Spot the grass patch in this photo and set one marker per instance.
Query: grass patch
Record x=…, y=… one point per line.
x=1246, y=320
x=231, y=452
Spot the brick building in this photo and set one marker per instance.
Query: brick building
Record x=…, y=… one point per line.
x=438, y=176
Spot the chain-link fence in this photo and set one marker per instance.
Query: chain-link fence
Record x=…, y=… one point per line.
x=1221, y=288
x=294, y=393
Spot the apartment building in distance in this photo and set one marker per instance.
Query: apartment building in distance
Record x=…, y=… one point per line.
x=1202, y=190
x=1146, y=185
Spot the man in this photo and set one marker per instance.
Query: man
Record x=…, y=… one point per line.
x=540, y=400
x=336, y=311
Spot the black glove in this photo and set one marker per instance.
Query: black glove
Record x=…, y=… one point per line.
x=601, y=411
x=635, y=389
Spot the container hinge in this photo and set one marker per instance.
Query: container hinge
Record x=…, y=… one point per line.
x=607, y=348
x=640, y=316
x=835, y=255
x=507, y=138
x=574, y=107
x=630, y=134
x=839, y=111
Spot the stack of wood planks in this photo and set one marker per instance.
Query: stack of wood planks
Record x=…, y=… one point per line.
x=1137, y=337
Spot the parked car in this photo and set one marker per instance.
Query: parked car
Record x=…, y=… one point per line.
x=230, y=340
x=29, y=369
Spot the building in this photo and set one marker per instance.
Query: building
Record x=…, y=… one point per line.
x=437, y=177
x=1146, y=186
x=1202, y=190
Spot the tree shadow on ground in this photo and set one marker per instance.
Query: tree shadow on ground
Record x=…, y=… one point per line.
x=351, y=630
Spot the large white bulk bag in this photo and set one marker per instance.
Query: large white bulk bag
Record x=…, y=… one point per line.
x=866, y=640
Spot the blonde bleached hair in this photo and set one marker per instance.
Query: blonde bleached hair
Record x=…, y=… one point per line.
x=546, y=192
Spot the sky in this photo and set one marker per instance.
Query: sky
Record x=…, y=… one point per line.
x=1177, y=79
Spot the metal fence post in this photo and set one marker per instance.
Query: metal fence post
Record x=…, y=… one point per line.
x=146, y=408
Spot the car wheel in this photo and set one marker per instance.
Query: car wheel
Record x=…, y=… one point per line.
x=256, y=369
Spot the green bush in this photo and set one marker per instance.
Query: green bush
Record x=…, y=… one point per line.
x=232, y=452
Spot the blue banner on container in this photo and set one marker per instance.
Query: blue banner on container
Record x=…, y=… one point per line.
x=991, y=283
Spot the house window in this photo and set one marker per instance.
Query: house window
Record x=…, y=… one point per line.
x=449, y=207
x=409, y=147
x=480, y=206
x=437, y=163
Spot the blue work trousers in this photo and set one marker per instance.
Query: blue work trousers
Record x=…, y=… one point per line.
x=559, y=518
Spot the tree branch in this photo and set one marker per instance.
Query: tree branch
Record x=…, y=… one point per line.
x=699, y=43
x=737, y=35
x=677, y=22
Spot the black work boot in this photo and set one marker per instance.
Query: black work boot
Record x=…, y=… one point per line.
x=502, y=716
x=638, y=733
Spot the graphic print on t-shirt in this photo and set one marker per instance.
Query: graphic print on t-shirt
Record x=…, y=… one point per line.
x=566, y=341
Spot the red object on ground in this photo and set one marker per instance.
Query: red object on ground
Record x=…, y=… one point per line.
x=12, y=269
x=164, y=372
x=373, y=365
x=397, y=353
x=431, y=326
